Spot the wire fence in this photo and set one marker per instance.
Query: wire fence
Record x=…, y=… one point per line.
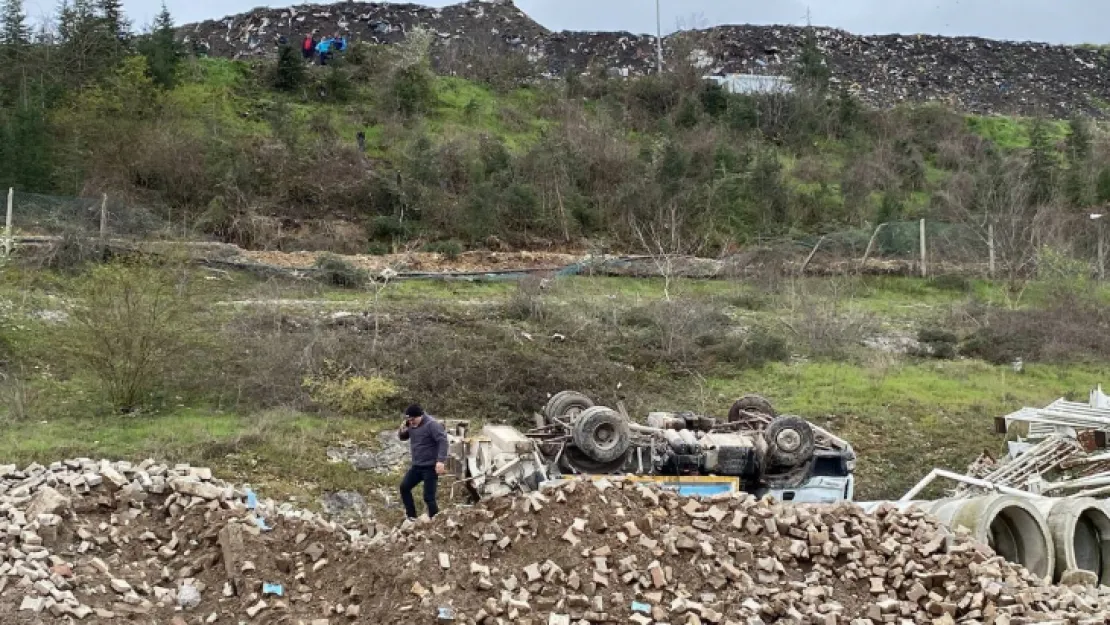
x=927, y=247
x=32, y=214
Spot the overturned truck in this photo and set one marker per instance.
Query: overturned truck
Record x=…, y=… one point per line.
x=753, y=449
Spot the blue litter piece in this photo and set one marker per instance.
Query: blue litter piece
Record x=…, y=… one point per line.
x=447, y=614
x=273, y=589
x=640, y=607
x=252, y=500
x=261, y=523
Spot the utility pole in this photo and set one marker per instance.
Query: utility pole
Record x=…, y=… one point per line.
x=659, y=36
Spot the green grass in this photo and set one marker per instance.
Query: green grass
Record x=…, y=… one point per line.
x=284, y=451
x=1011, y=132
x=904, y=416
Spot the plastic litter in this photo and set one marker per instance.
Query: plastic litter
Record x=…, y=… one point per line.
x=272, y=589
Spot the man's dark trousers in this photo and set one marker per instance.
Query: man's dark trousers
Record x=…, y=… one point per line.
x=416, y=475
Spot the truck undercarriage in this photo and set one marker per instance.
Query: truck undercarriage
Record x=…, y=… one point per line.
x=754, y=448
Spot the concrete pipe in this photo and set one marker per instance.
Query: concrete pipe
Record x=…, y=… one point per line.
x=1080, y=529
x=1012, y=526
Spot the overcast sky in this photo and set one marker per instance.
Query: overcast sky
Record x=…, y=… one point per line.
x=1056, y=21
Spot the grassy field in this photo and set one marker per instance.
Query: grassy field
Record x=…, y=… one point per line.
x=495, y=351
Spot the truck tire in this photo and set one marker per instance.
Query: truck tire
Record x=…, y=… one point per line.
x=602, y=434
x=751, y=403
x=790, y=442
x=566, y=405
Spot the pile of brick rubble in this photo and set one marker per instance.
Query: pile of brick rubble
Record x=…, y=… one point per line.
x=83, y=540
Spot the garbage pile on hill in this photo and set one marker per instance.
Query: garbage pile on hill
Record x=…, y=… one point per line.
x=113, y=542
x=971, y=73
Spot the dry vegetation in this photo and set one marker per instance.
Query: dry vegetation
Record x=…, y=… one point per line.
x=294, y=379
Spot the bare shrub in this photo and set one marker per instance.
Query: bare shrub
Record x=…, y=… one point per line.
x=528, y=301
x=71, y=252
x=17, y=397
x=339, y=272
x=135, y=328
x=823, y=323
x=1074, y=328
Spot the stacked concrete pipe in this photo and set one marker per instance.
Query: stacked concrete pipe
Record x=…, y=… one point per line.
x=1080, y=528
x=1015, y=528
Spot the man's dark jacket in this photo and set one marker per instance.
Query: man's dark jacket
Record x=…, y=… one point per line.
x=427, y=442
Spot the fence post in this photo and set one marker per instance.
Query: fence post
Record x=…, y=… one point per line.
x=1101, y=253
x=103, y=218
x=8, y=223
x=870, y=246
x=924, y=269
x=990, y=248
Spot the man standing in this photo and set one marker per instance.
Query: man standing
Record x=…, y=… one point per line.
x=428, y=446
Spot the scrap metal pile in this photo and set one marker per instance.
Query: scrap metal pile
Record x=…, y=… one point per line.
x=782, y=455
x=1055, y=451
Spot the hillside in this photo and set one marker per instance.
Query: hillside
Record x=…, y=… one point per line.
x=972, y=74
x=128, y=145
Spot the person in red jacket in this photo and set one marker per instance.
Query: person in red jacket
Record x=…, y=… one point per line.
x=308, y=48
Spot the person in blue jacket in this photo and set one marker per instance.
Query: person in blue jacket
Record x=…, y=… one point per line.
x=326, y=48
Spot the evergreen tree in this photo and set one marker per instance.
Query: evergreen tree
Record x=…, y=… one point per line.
x=1078, y=183
x=1079, y=140
x=25, y=150
x=1042, y=162
x=13, y=24
x=88, y=48
x=162, y=50
x=810, y=70
x=289, y=75
x=111, y=11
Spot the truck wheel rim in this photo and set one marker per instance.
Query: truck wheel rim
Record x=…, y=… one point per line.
x=605, y=436
x=788, y=440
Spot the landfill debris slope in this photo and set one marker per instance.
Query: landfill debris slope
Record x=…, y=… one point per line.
x=970, y=73
x=100, y=541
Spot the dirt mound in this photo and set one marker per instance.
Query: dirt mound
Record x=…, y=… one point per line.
x=418, y=262
x=970, y=73
x=148, y=543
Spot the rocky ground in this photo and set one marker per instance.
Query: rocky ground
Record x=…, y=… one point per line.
x=100, y=541
x=974, y=74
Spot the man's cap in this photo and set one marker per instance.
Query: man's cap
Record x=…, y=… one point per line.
x=414, y=411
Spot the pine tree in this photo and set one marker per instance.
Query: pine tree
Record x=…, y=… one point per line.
x=162, y=50
x=111, y=11
x=1079, y=140
x=289, y=74
x=1042, y=162
x=810, y=70
x=88, y=48
x=13, y=24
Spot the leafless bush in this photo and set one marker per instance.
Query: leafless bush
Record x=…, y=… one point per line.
x=528, y=301
x=71, y=252
x=1075, y=327
x=17, y=397
x=136, y=328
x=823, y=322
